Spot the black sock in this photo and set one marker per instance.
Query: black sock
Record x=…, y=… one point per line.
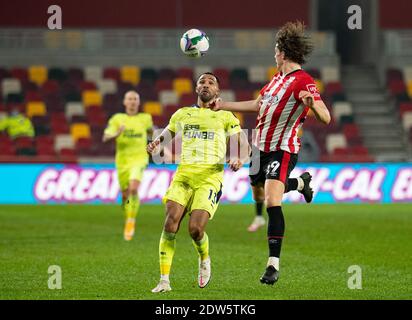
x=276, y=230
x=259, y=206
x=292, y=184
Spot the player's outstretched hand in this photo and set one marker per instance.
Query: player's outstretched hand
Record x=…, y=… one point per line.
x=235, y=164
x=307, y=98
x=153, y=146
x=216, y=104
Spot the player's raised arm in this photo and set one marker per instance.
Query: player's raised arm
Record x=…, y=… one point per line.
x=242, y=106
x=159, y=142
x=317, y=106
x=239, y=150
x=109, y=136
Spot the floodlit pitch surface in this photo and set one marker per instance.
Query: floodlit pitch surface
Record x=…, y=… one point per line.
x=322, y=242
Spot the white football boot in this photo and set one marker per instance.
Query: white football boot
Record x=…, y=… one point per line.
x=163, y=286
x=205, y=272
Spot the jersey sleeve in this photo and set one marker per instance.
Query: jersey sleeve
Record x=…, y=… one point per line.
x=307, y=84
x=232, y=125
x=174, y=121
x=112, y=126
x=149, y=122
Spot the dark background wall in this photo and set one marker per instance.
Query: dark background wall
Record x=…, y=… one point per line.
x=156, y=13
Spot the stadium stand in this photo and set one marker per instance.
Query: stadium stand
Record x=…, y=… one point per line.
x=70, y=107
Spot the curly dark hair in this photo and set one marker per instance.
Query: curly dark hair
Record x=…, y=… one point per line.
x=291, y=40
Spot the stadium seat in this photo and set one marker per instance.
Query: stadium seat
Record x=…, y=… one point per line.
x=256, y=94
x=35, y=109
x=80, y=130
x=67, y=152
x=59, y=126
x=106, y=86
x=93, y=73
x=393, y=74
x=240, y=116
x=243, y=95
x=111, y=73
x=10, y=85
x=185, y=73
x=350, y=130
x=314, y=73
x=200, y=69
x=271, y=71
x=340, y=109
x=57, y=74
x=409, y=88
x=76, y=75
x=335, y=140
x=148, y=75
x=187, y=99
x=123, y=87
x=167, y=73
x=168, y=97
x=161, y=121
x=4, y=73
x=91, y=98
x=257, y=74
x=153, y=107
x=227, y=95
x=405, y=107
x=407, y=73
x=163, y=84
x=130, y=74
x=74, y=108
x=87, y=86
x=396, y=87
x=45, y=146
x=20, y=73
x=32, y=96
x=329, y=74
x=320, y=86
x=170, y=109
x=49, y=87
x=407, y=120
x=333, y=88
x=83, y=145
x=38, y=74
x=182, y=86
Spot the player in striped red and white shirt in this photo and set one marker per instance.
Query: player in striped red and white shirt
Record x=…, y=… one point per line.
x=282, y=107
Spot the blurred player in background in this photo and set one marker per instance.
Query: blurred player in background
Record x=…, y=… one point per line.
x=197, y=185
x=130, y=130
x=282, y=107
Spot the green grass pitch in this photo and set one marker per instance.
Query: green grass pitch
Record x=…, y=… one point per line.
x=322, y=242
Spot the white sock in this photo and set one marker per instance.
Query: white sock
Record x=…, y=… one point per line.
x=164, y=277
x=273, y=261
x=301, y=184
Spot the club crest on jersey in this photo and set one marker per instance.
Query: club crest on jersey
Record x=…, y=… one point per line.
x=313, y=90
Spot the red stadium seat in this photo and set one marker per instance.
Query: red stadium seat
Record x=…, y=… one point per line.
x=33, y=96
x=111, y=73
x=184, y=73
x=87, y=85
x=163, y=84
x=20, y=73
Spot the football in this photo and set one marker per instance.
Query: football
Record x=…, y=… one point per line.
x=194, y=43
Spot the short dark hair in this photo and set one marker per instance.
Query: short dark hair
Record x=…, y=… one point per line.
x=291, y=40
x=210, y=73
